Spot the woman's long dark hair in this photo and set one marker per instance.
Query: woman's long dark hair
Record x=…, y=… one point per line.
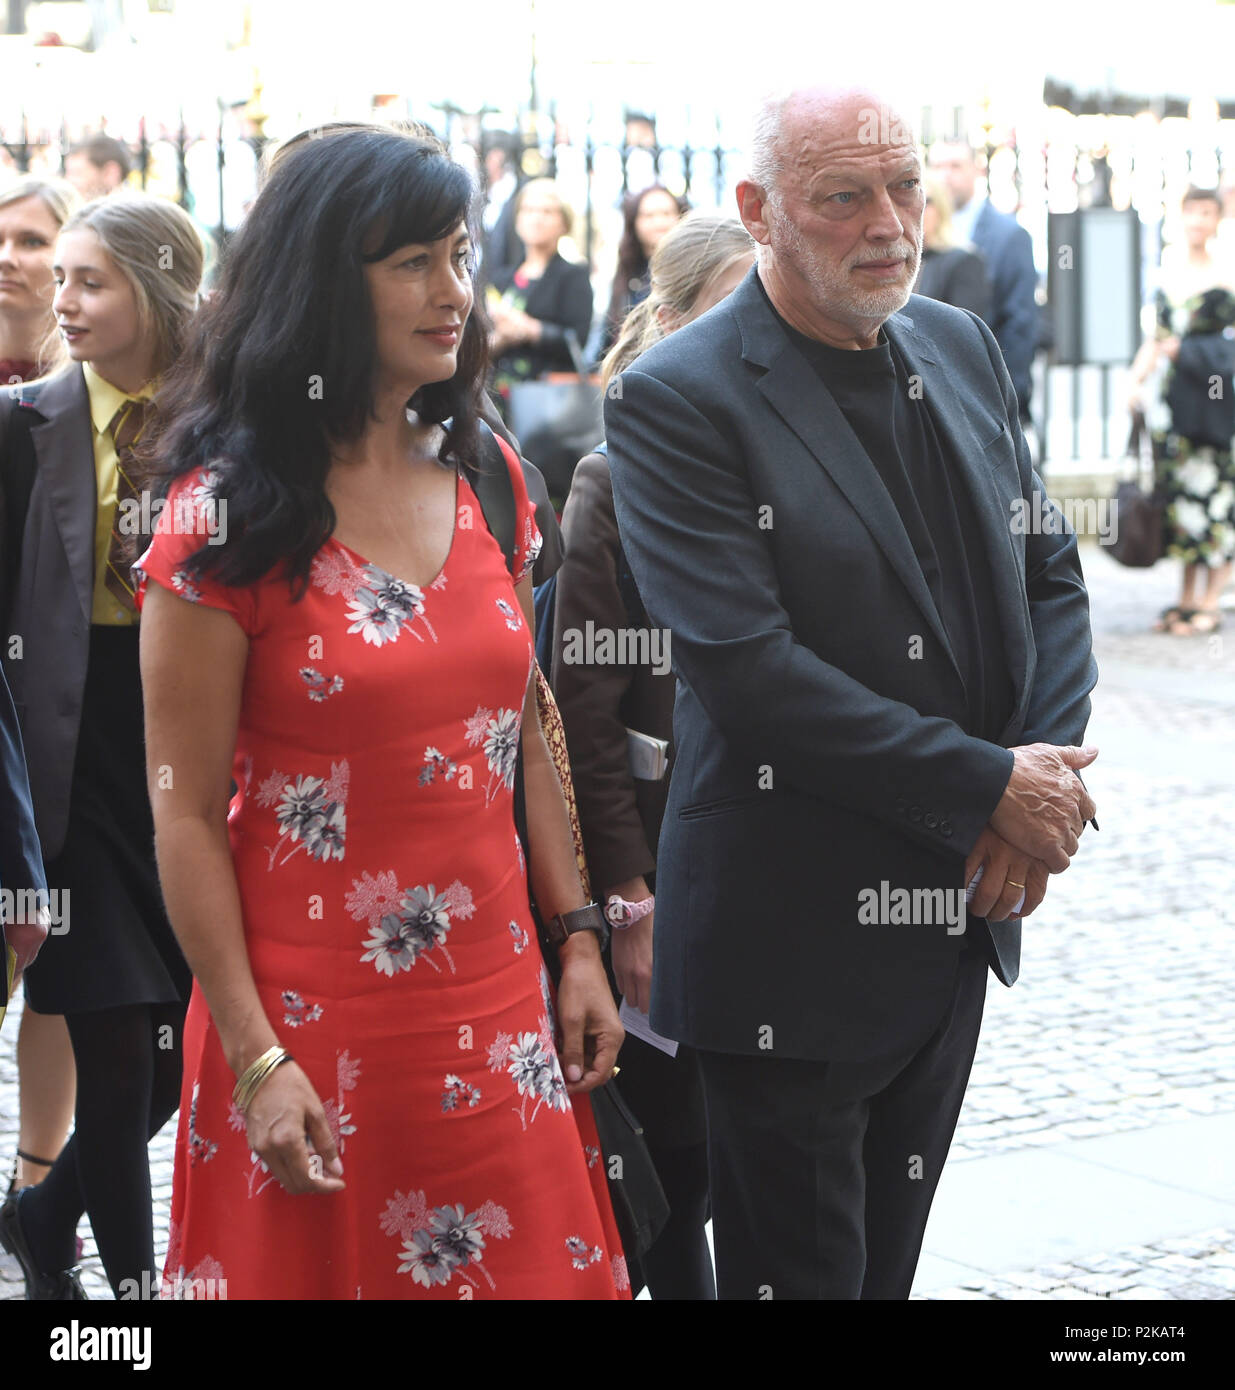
x=281, y=363
x=632, y=261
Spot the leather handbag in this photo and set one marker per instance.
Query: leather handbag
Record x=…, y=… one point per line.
x=557, y=420
x=1139, y=505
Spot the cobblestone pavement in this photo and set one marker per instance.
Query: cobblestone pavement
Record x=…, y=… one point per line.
x=1122, y=1017
x=1193, y=1267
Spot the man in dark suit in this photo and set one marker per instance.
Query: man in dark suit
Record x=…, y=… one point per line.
x=880, y=677
x=1008, y=251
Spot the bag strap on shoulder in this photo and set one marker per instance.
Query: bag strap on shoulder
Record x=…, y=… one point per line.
x=490, y=481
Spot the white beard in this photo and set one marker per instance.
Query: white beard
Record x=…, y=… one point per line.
x=834, y=290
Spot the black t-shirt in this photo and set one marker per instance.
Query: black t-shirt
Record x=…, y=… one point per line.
x=893, y=424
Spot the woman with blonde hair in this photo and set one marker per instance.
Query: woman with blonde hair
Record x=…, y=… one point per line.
x=127, y=272
x=951, y=272
x=32, y=211
x=695, y=266
x=537, y=305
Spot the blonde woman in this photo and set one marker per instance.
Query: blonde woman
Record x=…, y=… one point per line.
x=127, y=271
x=32, y=211
x=696, y=265
x=543, y=299
x=951, y=272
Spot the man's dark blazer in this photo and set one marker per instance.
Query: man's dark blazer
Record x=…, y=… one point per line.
x=818, y=720
x=46, y=599
x=1008, y=251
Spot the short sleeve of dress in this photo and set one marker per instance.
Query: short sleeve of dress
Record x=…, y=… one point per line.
x=528, y=539
x=191, y=517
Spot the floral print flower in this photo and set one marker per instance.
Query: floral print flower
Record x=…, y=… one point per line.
x=435, y=762
x=427, y=1264
x=296, y=1012
x=532, y=1063
x=371, y=898
x=347, y=1074
x=310, y=814
x=382, y=607
x=582, y=1254
x=182, y=582
x=419, y=925
x=200, y=1149
x=335, y=572
x=514, y=621
x=474, y=726
x=437, y=1245
x=498, y=731
x=456, y=1090
x=320, y=689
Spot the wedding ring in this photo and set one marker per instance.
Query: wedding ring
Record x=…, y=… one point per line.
x=1012, y=883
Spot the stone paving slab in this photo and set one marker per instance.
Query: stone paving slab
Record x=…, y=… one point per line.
x=1203, y=1273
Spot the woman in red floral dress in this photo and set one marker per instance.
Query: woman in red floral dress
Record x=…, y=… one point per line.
x=353, y=653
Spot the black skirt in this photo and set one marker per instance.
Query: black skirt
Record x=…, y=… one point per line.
x=119, y=948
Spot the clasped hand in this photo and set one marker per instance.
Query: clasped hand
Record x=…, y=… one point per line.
x=1034, y=831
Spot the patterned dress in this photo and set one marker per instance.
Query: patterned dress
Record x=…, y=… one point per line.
x=386, y=917
x=1197, y=480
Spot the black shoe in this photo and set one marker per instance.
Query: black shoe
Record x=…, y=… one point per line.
x=62, y=1286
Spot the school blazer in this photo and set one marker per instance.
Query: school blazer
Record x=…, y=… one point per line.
x=47, y=579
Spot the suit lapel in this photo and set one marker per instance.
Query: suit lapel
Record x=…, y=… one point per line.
x=64, y=454
x=962, y=438
x=794, y=391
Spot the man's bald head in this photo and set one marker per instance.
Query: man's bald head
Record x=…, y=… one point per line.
x=787, y=118
x=834, y=202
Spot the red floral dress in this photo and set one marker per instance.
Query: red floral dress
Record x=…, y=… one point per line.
x=385, y=909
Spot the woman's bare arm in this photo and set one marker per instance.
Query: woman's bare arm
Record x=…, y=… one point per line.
x=193, y=663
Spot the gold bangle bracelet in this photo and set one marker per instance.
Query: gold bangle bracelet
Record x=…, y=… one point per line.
x=255, y=1073
x=256, y=1081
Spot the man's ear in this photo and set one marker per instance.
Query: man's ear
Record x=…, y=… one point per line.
x=752, y=206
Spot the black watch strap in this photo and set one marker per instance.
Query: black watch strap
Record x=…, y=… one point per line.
x=566, y=924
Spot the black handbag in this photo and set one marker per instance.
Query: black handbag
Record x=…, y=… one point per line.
x=1138, y=505
x=558, y=420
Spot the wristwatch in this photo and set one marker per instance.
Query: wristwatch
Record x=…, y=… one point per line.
x=622, y=914
x=566, y=924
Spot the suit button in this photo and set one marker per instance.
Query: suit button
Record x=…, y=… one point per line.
x=945, y=828
x=930, y=820
x=915, y=813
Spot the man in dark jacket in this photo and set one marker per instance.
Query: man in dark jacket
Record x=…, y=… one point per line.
x=880, y=678
x=1008, y=252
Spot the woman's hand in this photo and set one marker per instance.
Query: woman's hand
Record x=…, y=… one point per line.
x=587, y=1016
x=512, y=326
x=26, y=939
x=286, y=1128
x=630, y=949
x=1169, y=347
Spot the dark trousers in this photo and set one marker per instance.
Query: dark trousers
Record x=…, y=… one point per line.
x=823, y=1173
